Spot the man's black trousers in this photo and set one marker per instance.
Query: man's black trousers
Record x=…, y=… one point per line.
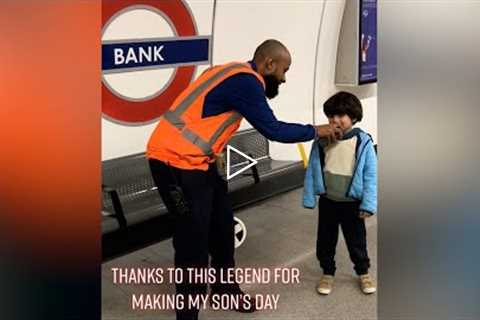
x=206, y=229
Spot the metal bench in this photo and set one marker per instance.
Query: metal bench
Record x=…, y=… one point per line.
x=134, y=215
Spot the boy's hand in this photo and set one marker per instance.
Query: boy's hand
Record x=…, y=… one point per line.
x=364, y=214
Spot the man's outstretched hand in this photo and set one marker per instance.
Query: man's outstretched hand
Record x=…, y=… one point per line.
x=329, y=132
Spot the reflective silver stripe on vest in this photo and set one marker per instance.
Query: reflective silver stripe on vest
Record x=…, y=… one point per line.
x=230, y=120
x=174, y=120
x=196, y=140
x=206, y=147
x=183, y=106
x=174, y=116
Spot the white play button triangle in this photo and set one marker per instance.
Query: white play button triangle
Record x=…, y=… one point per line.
x=250, y=159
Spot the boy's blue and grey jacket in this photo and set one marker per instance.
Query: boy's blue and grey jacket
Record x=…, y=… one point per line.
x=364, y=180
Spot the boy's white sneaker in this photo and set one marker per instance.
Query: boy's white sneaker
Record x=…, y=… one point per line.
x=366, y=284
x=325, y=285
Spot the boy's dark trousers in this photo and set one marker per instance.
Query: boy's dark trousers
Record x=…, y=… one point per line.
x=331, y=215
x=208, y=227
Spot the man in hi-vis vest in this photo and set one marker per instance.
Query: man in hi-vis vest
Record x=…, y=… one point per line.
x=182, y=152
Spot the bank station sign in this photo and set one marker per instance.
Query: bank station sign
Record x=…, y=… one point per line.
x=150, y=50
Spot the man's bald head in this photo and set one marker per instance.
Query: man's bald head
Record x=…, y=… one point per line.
x=270, y=48
x=272, y=61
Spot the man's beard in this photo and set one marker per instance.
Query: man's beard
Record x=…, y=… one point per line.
x=271, y=86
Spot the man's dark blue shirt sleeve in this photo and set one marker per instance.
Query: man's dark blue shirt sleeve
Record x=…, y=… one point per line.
x=244, y=93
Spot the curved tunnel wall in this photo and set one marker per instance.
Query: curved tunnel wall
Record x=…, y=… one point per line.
x=310, y=30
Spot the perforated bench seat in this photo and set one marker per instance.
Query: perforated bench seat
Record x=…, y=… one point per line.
x=140, y=204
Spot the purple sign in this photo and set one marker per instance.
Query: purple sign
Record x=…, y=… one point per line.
x=368, y=41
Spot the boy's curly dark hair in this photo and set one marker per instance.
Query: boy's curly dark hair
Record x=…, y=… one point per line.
x=344, y=103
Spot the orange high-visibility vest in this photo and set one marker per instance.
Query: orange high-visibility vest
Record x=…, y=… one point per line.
x=185, y=140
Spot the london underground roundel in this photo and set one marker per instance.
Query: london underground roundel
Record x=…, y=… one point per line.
x=150, y=50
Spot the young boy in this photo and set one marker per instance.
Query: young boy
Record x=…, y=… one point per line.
x=344, y=174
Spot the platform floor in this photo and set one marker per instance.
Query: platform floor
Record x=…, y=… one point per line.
x=280, y=233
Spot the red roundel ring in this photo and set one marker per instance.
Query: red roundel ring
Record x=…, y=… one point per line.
x=144, y=111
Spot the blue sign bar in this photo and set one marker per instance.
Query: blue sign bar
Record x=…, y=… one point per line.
x=147, y=54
